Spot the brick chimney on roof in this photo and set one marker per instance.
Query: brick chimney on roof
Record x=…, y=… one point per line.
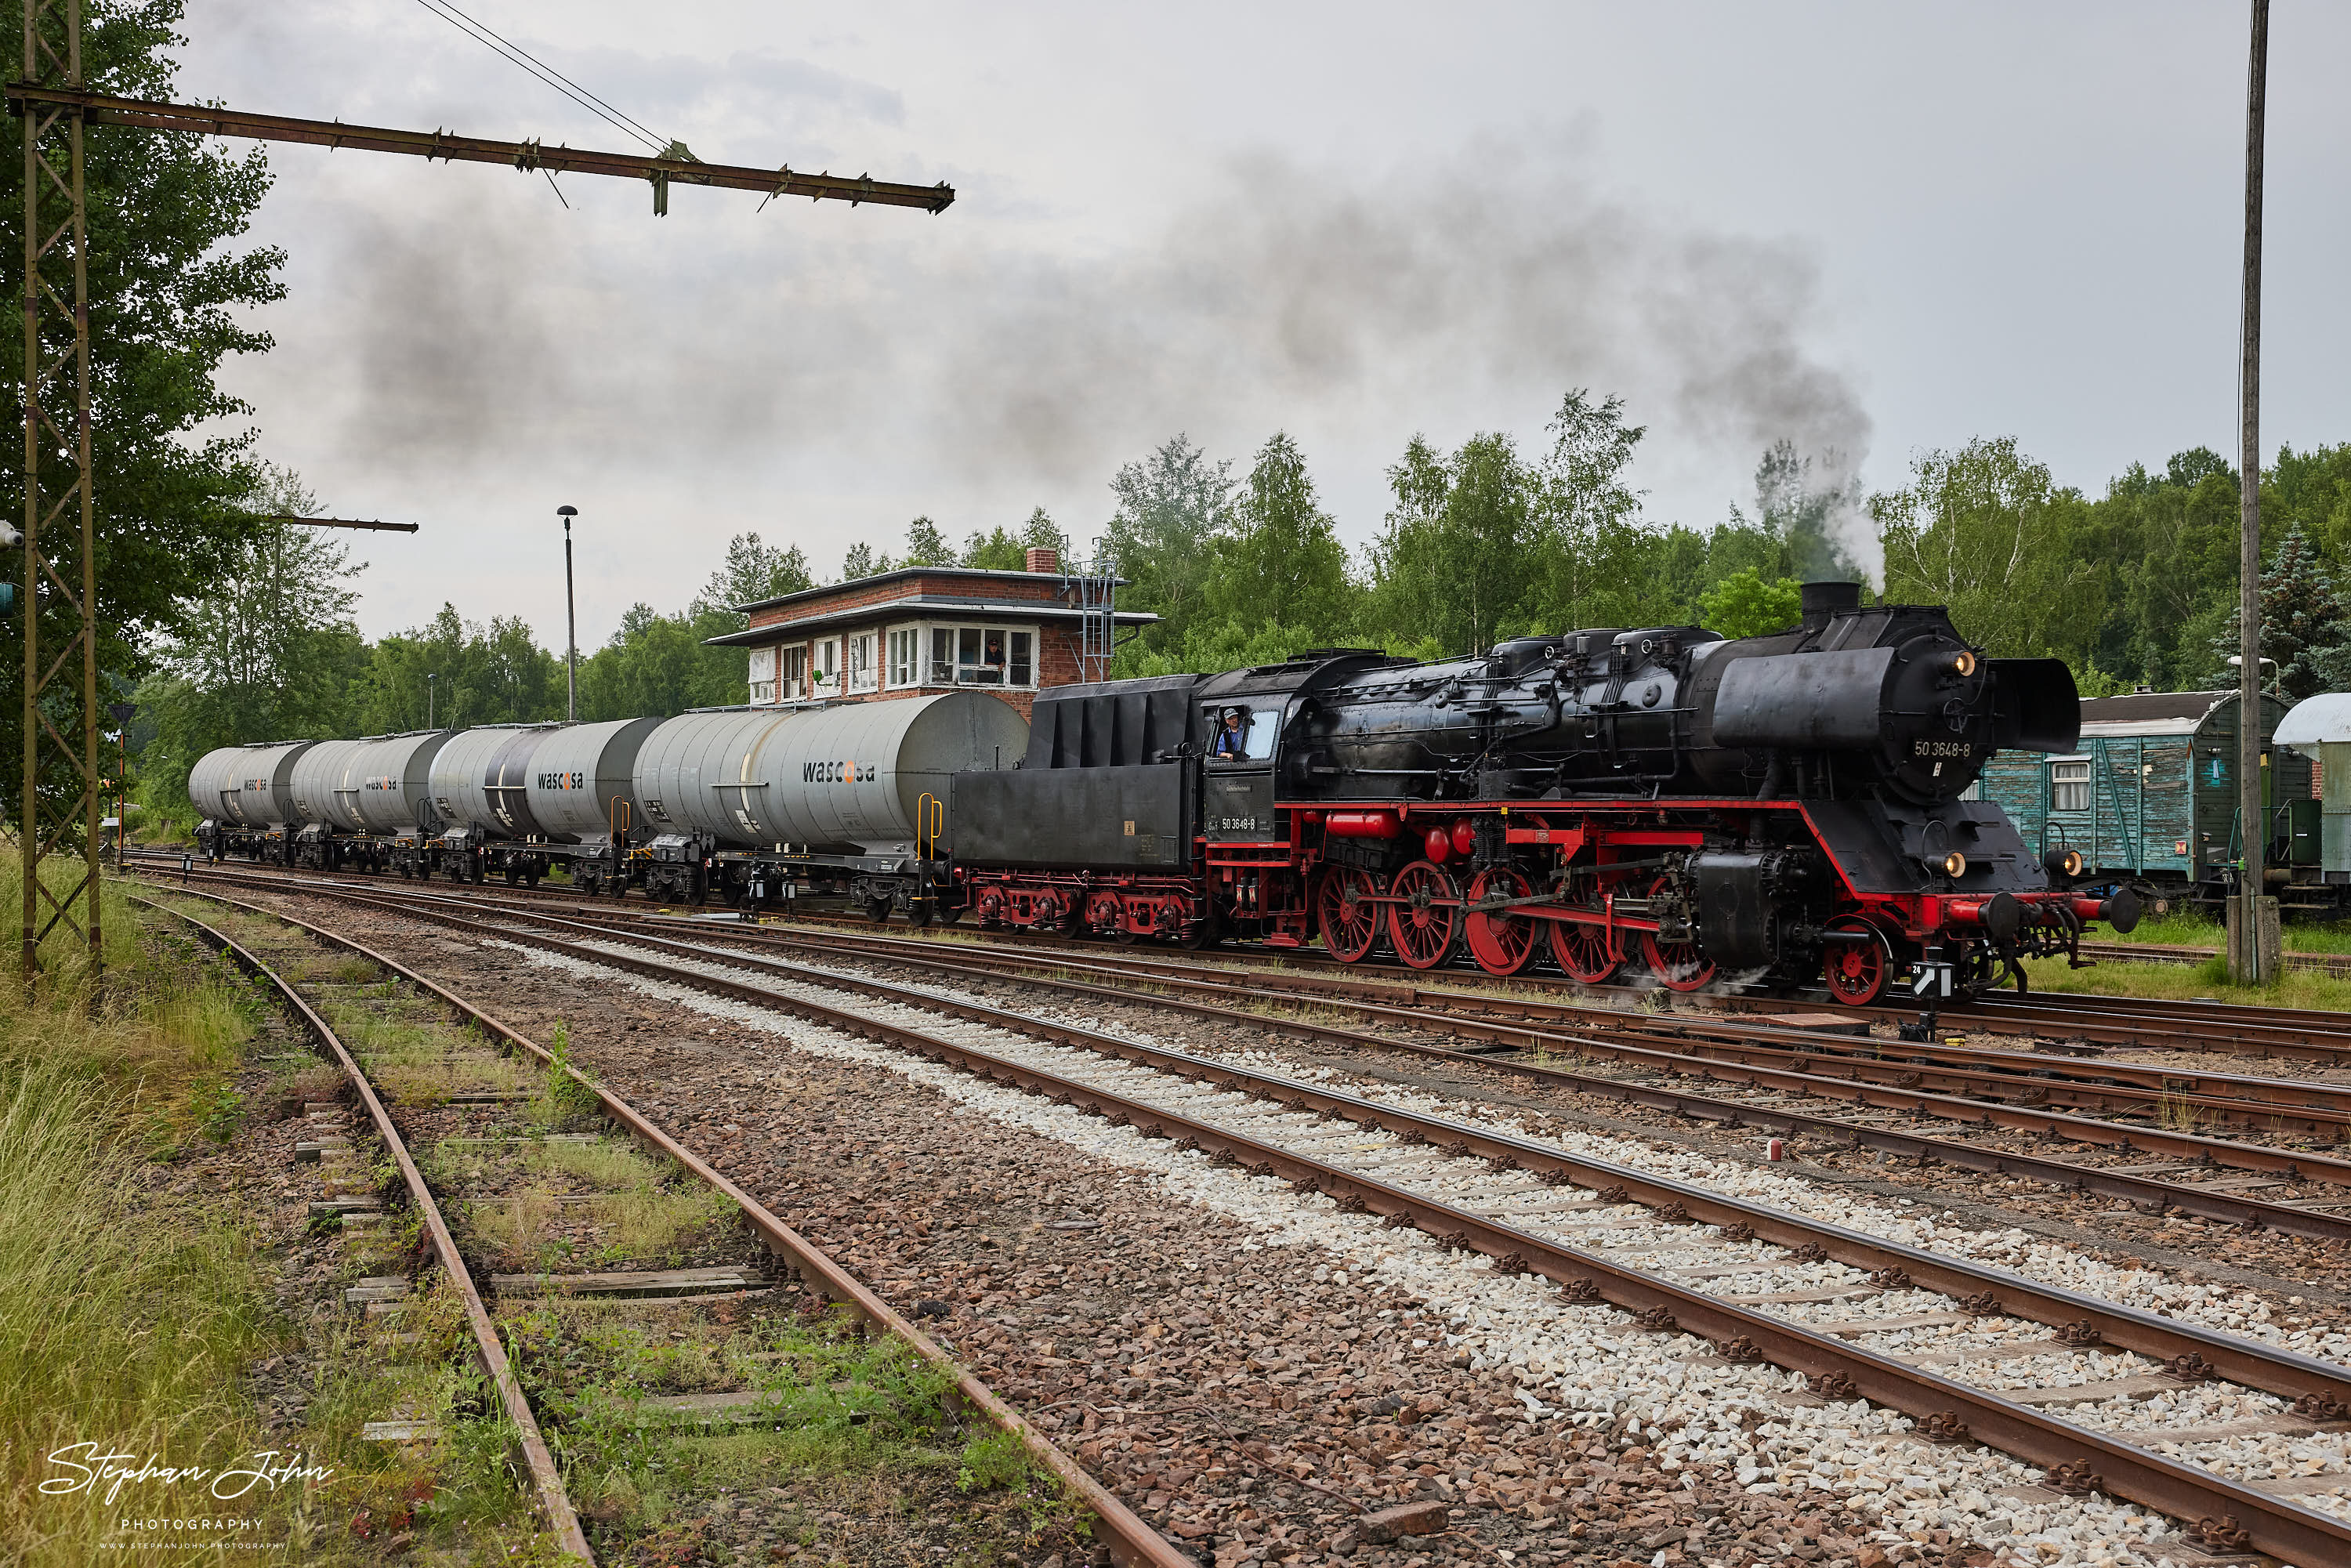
x=1044, y=561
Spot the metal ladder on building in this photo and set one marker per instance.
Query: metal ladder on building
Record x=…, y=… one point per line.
x=1094, y=591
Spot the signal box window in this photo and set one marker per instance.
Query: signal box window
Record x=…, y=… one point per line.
x=905, y=644
x=2069, y=786
x=980, y=657
x=862, y=676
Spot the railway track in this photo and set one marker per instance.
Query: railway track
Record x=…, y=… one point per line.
x=659, y=1300
x=2335, y=964
x=2067, y=1020
x=1761, y=1284
x=1765, y=1072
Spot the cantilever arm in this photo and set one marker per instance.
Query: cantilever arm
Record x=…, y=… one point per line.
x=103, y=108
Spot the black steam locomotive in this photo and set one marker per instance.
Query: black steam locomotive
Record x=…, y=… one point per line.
x=1780, y=810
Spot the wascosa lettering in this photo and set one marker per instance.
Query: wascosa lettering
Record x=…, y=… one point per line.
x=833, y=773
x=563, y=781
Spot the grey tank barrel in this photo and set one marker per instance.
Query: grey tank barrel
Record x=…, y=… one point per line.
x=394, y=775
x=581, y=779
x=326, y=787
x=247, y=786
x=481, y=779
x=848, y=776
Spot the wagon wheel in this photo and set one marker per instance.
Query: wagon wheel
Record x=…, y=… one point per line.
x=1425, y=921
x=1857, y=971
x=877, y=910
x=1679, y=966
x=1205, y=932
x=1583, y=952
x=1502, y=941
x=1343, y=908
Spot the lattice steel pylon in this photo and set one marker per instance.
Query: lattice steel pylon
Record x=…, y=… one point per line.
x=59, y=600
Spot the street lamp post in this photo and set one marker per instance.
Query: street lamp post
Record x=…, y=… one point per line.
x=2237, y=661
x=429, y=678
x=570, y=623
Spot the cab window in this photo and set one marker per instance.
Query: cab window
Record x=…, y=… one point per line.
x=1240, y=734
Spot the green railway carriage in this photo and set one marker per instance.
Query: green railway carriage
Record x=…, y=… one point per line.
x=2150, y=795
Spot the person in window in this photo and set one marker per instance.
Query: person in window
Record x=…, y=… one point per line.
x=1231, y=740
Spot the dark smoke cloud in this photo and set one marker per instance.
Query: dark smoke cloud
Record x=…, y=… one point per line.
x=1387, y=301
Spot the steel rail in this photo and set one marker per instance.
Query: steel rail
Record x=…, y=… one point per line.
x=203, y=120
x=2226, y=1028
x=2232, y=1096
x=1130, y=1540
x=2243, y=1098
x=2151, y=1332
x=546, y=1480
x=2144, y=1192
x=2272, y=1523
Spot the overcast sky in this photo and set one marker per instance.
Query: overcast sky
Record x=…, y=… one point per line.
x=1872, y=229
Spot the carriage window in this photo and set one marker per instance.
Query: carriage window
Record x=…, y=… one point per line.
x=2069, y=786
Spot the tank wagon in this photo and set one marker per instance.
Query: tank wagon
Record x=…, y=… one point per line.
x=762, y=804
x=244, y=797
x=757, y=803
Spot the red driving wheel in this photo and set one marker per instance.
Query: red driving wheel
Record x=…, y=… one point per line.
x=1583, y=952
x=1679, y=966
x=1424, y=919
x=1343, y=907
x=1500, y=940
x=1856, y=972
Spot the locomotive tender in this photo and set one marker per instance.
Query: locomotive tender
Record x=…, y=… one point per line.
x=1782, y=810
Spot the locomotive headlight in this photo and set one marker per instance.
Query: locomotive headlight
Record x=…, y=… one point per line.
x=1963, y=663
x=1952, y=864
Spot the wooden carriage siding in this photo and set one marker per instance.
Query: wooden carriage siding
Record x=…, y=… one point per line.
x=2160, y=797
x=793, y=631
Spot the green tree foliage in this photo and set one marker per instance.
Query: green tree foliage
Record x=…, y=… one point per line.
x=1172, y=505
x=1985, y=531
x=171, y=295
x=1595, y=565
x=2304, y=625
x=752, y=572
x=453, y=673
x=1456, y=560
x=269, y=652
x=1745, y=606
x=1004, y=550
x=1281, y=562
x=657, y=664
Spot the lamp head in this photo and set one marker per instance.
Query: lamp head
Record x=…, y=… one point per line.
x=566, y=511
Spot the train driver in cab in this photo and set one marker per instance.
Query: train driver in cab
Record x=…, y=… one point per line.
x=1232, y=736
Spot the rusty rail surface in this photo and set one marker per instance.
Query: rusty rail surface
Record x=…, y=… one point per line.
x=546, y=1482
x=2231, y=1207
x=1131, y=1542
x=2273, y=1524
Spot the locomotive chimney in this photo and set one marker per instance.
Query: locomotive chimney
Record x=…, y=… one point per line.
x=1823, y=599
x=1046, y=561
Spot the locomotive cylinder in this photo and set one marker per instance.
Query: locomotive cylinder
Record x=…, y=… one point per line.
x=851, y=776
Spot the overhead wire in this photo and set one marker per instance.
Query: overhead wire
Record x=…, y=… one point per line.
x=546, y=73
